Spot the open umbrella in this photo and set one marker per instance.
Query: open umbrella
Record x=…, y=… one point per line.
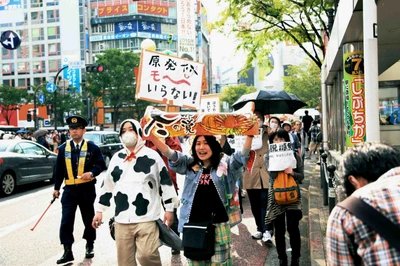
x=271, y=102
x=39, y=132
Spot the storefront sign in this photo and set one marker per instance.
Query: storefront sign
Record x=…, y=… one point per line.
x=152, y=9
x=113, y=10
x=354, y=98
x=186, y=29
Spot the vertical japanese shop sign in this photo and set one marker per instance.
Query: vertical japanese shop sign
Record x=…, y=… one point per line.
x=354, y=95
x=168, y=79
x=186, y=28
x=210, y=103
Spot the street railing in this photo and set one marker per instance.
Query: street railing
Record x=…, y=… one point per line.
x=328, y=181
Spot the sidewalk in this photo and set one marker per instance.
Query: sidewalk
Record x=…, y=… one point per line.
x=318, y=218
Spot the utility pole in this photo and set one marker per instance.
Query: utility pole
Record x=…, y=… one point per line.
x=34, y=104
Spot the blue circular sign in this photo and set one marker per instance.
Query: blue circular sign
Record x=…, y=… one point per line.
x=10, y=40
x=51, y=87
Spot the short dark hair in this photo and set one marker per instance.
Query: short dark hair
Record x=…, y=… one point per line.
x=215, y=148
x=306, y=112
x=276, y=118
x=281, y=133
x=369, y=161
x=315, y=122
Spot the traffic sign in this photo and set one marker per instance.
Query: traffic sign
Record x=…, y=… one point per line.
x=10, y=40
x=41, y=98
x=76, y=64
x=51, y=87
x=46, y=122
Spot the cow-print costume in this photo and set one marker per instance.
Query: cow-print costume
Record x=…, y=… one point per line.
x=137, y=185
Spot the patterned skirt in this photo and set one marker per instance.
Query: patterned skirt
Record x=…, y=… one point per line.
x=222, y=256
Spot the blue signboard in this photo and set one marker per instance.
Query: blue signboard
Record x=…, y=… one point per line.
x=51, y=87
x=126, y=26
x=12, y=4
x=152, y=27
x=129, y=35
x=10, y=40
x=73, y=75
x=41, y=98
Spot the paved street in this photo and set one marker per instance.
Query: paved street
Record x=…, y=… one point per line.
x=21, y=246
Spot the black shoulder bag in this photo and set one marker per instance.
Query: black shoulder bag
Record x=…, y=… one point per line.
x=198, y=239
x=373, y=218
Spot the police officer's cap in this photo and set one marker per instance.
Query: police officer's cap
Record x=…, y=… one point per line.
x=76, y=121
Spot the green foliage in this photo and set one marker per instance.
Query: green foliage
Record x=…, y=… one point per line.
x=9, y=100
x=259, y=25
x=305, y=82
x=231, y=94
x=116, y=85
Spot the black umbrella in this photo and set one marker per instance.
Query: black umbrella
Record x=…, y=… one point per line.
x=271, y=102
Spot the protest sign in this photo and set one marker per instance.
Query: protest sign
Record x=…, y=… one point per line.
x=209, y=103
x=238, y=141
x=170, y=80
x=281, y=156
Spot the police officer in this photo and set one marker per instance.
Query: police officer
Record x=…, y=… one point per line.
x=78, y=163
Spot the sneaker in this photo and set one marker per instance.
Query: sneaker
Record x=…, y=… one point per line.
x=257, y=235
x=267, y=238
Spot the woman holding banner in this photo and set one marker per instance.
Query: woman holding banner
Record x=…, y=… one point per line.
x=209, y=188
x=284, y=160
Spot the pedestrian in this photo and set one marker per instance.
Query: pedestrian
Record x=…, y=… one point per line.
x=314, y=143
x=78, y=163
x=175, y=144
x=209, y=184
x=286, y=217
x=307, y=120
x=371, y=172
x=56, y=141
x=301, y=135
x=256, y=182
x=138, y=180
x=286, y=125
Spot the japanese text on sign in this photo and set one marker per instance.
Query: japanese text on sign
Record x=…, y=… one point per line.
x=152, y=9
x=281, y=156
x=357, y=89
x=113, y=10
x=169, y=79
x=186, y=28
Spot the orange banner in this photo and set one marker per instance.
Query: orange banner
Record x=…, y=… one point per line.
x=113, y=10
x=152, y=9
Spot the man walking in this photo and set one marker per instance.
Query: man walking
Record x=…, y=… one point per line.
x=315, y=143
x=307, y=120
x=371, y=172
x=78, y=163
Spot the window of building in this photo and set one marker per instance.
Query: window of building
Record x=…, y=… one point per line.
x=7, y=54
x=22, y=83
x=23, y=34
x=8, y=69
x=39, y=67
x=9, y=82
x=37, y=81
x=23, y=67
x=38, y=50
x=36, y=3
x=53, y=32
x=53, y=16
x=37, y=17
x=37, y=34
x=23, y=51
x=54, y=49
x=54, y=65
x=52, y=2
x=389, y=106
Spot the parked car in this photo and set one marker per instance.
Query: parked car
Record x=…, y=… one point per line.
x=23, y=162
x=108, y=141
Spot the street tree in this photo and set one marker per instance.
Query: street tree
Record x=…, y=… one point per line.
x=305, y=82
x=231, y=94
x=115, y=86
x=260, y=25
x=10, y=98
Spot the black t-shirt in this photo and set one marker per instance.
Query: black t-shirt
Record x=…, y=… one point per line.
x=307, y=120
x=206, y=200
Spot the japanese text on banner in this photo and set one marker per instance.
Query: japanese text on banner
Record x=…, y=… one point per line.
x=168, y=79
x=281, y=156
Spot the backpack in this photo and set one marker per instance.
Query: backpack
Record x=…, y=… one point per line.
x=285, y=189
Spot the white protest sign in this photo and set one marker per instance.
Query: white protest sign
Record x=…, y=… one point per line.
x=238, y=141
x=209, y=103
x=281, y=156
x=170, y=80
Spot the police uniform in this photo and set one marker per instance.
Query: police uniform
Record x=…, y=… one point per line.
x=72, y=162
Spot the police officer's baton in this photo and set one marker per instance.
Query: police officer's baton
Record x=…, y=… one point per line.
x=51, y=202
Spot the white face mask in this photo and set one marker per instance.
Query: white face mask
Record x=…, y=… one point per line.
x=129, y=138
x=273, y=125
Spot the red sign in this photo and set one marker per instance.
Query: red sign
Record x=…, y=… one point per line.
x=113, y=10
x=152, y=9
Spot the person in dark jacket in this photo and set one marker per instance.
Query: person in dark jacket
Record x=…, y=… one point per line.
x=78, y=163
